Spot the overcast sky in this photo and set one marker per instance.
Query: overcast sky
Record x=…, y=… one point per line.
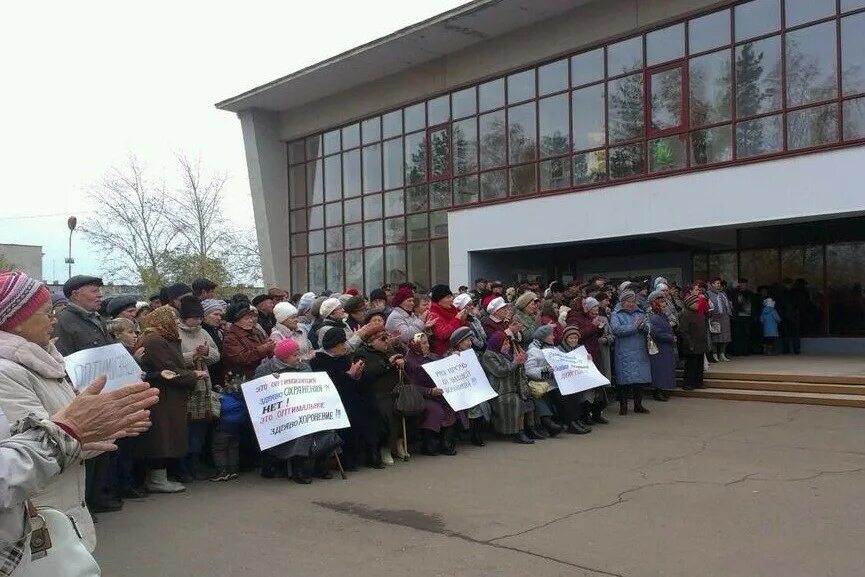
x=86, y=83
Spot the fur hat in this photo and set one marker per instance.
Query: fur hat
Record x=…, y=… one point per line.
x=190, y=308
x=332, y=337
x=440, y=291
x=284, y=310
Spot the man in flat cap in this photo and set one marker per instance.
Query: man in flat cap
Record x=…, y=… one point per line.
x=264, y=303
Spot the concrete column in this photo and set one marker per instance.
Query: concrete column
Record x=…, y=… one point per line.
x=268, y=183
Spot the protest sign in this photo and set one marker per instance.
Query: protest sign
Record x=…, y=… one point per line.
x=114, y=361
x=462, y=379
x=290, y=405
x=574, y=371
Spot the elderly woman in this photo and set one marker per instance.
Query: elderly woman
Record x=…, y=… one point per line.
x=213, y=323
x=288, y=327
x=692, y=328
x=473, y=322
x=438, y=419
x=497, y=318
x=663, y=363
x=447, y=318
x=538, y=369
x=332, y=315
x=720, y=311
x=243, y=345
x=381, y=374
x=165, y=369
x=589, y=330
x=587, y=406
x=526, y=312
x=631, y=355
x=402, y=319
x=462, y=341
x=512, y=409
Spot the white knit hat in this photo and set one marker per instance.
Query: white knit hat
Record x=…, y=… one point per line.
x=461, y=301
x=305, y=302
x=284, y=310
x=496, y=304
x=328, y=306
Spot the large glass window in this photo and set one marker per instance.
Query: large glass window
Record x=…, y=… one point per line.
x=757, y=17
x=758, y=77
x=625, y=108
x=709, y=31
x=709, y=88
x=521, y=133
x=492, y=140
x=853, y=54
x=587, y=109
x=811, y=62
x=553, y=125
x=465, y=146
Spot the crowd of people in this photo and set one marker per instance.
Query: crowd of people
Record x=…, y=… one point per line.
x=197, y=349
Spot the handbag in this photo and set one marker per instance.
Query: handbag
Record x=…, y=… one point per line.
x=324, y=445
x=715, y=327
x=215, y=400
x=56, y=548
x=408, y=400
x=651, y=345
x=538, y=389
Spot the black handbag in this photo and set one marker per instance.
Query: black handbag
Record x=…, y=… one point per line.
x=408, y=400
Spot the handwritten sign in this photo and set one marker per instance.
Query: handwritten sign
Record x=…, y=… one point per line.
x=114, y=361
x=290, y=405
x=462, y=379
x=574, y=371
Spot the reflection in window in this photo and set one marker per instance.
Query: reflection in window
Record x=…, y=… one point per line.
x=493, y=185
x=333, y=239
x=439, y=261
x=709, y=31
x=418, y=265
x=299, y=280
x=354, y=236
x=466, y=190
x=757, y=17
x=333, y=214
x=491, y=94
x=394, y=229
x=316, y=241
x=492, y=143
x=760, y=267
x=316, y=273
x=465, y=145
x=440, y=194
x=587, y=67
x=439, y=110
x=395, y=265
x=523, y=179
x=372, y=233
x=464, y=103
x=371, y=130
x=723, y=264
x=438, y=222
x=372, y=206
x=372, y=168
x=351, y=173
x=521, y=132
x=587, y=107
x=415, y=157
x=299, y=243
x=414, y=117
x=666, y=99
x=854, y=119
x=354, y=268
x=625, y=161
x=709, y=88
x=417, y=226
x=625, y=108
x=811, y=64
x=440, y=153
x=712, y=145
x=417, y=198
x=553, y=125
x=758, y=77
x=845, y=263
x=625, y=56
x=393, y=171
x=373, y=268
x=391, y=124
x=801, y=11
x=804, y=264
x=315, y=182
x=812, y=126
x=553, y=77
x=393, y=203
x=332, y=178
x=759, y=136
x=590, y=167
x=555, y=173
x=665, y=44
x=352, y=210
x=667, y=153
x=521, y=86
x=853, y=54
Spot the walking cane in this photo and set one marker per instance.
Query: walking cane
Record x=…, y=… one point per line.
x=406, y=455
x=339, y=464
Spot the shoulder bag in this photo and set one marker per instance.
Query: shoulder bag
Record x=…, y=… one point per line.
x=56, y=548
x=408, y=400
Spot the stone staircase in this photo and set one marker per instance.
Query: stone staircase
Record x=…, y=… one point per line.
x=838, y=391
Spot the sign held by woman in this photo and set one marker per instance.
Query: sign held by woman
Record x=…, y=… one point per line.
x=574, y=371
x=462, y=379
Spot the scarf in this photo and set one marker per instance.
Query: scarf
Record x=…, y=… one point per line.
x=163, y=322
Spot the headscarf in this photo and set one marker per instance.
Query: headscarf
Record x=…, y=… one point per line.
x=495, y=342
x=414, y=343
x=162, y=322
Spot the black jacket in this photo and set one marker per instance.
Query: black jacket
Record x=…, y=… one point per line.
x=77, y=330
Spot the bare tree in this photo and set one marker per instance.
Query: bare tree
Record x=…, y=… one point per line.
x=197, y=215
x=131, y=225
x=244, y=262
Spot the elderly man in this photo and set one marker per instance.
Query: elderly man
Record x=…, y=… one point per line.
x=264, y=303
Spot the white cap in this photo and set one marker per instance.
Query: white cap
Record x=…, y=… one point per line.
x=496, y=304
x=461, y=301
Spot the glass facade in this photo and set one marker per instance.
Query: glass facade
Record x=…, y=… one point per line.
x=368, y=201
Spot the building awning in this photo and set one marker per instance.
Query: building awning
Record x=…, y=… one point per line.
x=417, y=44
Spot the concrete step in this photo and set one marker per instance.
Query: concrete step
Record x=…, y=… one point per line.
x=803, y=398
x=784, y=386
x=719, y=372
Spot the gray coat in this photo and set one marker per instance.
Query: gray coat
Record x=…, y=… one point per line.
x=78, y=329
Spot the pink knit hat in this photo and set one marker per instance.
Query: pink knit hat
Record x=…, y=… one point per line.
x=20, y=297
x=285, y=347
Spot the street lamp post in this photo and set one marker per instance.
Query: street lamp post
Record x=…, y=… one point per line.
x=71, y=222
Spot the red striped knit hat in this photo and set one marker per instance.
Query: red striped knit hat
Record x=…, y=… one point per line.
x=20, y=297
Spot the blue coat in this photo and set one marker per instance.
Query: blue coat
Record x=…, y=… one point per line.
x=631, y=357
x=770, y=319
x=664, y=363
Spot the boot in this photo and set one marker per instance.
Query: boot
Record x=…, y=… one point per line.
x=300, y=470
x=373, y=458
x=585, y=418
x=386, y=457
x=638, y=400
x=724, y=358
x=157, y=482
x=522, y=439
x=322, y=468
x=401, y=452
x=623, y=407
x=429, y=444
x=476, y=428
x=659, y=395
x=552, y=427
x=447, y=445
x=597, y=413
x=532, y=432
x=577, y=428
x=268, y=466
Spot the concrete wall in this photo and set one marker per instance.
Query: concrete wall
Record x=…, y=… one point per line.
x=583, y=27
x=774, y=191
x=23, y=257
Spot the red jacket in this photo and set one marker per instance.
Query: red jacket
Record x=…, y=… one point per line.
x=445, y=326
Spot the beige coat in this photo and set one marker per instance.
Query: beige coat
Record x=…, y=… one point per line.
x=33, y=381
x=198, y=405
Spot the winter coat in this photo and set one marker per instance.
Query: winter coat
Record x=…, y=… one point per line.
x=406, y=323
x=280, y=332
x=217, y=369
x=692, y=329
x=508, y=379
x=537, y=367
x=353, y=341
x=33, y=381
x=198, y=406
x=524, y=338
x=166, y=439
x=437, y=412
x=358, y=401
x=721, y=310
x=664, y=362
x=78, y=329
x=630, y=355
x=380, y=377
x=590, y=335
x=242, y=351
x=770, y=318
x=446, y=324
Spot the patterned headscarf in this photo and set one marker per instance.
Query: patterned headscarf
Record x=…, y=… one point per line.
x=162, y=322
x=495, y=342
x=414, y=343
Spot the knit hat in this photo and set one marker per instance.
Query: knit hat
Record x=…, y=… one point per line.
x=59, y=299
x=495, y=305
x=285, y=347
x=542, y=332
x=328, y=306
x=332, y=337
x=439, y=291
x=354, y=304
x=120, y=304
x=461, y=301
x=305, y=303
x=284, y=310
x=177, y=290
x=351, y=291
x=524, y=299
x=570, y=330
x=401, y=295
x=459, y=335
x=660, y=280
x=315, y=308
x=378, y=295
x=190, y=308
x=237, y=311
x=211, y=305
x=766, y=303
x=627, y=294
x=20, y=297
x=589, y=303
x=655, y=295
x=624, y=285
x=691, y=299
